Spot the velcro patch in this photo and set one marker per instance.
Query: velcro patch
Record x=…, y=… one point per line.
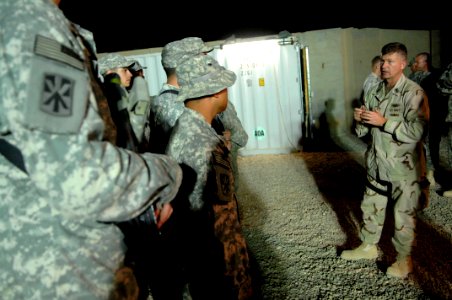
x=57, y=96
x=141, y=108
x=51, y=49
x=223, y=177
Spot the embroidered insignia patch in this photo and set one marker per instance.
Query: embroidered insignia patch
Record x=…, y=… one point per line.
x=57, y=89
x=57, y=95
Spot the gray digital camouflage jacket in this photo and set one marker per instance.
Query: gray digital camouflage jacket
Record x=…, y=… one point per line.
x=192, y=143
x=56, y=236
x=232, y=122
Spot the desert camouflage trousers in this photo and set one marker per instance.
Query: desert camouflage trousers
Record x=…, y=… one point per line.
x=405, y=196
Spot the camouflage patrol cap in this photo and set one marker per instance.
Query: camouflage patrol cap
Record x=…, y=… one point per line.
x=177, y=52
x=137, y=66
x=112, y=61
x=201, y=75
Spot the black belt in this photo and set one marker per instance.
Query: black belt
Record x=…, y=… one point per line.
x=13, y=154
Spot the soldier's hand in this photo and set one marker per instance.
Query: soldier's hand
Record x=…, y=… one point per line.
x=227, y=138
x=162, y=215
x=125, y=285
x=373, y=118
x=357, y=112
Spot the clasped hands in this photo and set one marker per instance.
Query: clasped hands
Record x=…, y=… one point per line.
x=371, y=117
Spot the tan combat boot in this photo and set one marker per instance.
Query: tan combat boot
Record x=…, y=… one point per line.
x=448, y=194
x=431, y=178
x=364, y=251
x=401, y=268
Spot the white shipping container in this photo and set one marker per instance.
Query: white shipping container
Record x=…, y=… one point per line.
x=267, y=94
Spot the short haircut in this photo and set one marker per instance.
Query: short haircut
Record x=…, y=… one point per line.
x=427, y=57
x=395, y=47
x=376, y=60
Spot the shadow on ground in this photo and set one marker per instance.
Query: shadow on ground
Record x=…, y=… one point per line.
x=263, y=259
x=342, y=184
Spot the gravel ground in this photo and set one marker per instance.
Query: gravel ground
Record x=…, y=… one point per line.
x=300, y=210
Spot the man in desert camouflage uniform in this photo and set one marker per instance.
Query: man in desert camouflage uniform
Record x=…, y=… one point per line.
x=61, y=185
x=445, y=87
x=396, y=116
x=217, y=262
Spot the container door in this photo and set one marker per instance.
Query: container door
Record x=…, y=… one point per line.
x=267, y=94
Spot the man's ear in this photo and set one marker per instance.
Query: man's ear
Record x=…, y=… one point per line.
x=217, y=94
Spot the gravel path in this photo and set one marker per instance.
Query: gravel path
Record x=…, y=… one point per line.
x=300, y=210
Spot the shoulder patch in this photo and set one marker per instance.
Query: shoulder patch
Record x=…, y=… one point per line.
x=419, y=91
x=57, y=96
x=141, y=108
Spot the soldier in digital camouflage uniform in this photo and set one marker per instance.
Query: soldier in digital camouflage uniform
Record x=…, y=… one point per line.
x=165, y=278
x=445, y=86
x=114, y=69
x=427, y=78
x=236, y=135
x=165, y=110
x=141, y=236
x=139, y=102
x=415, y=75
x=396, y=115
x=61, y=185
x=217, y=261
x=374, y=76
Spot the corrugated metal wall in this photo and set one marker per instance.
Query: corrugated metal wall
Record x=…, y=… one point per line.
x=267, y=94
